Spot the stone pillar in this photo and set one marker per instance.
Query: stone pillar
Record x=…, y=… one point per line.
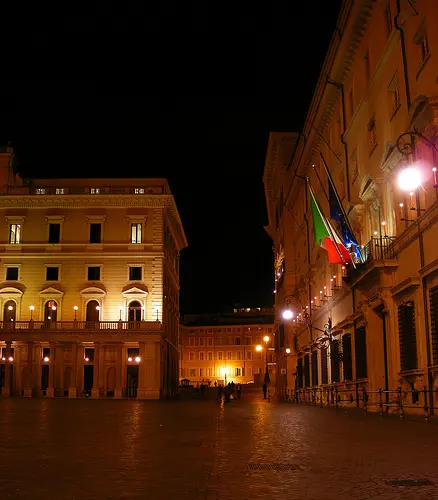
x=118, y=388
x=59, y=370
x=72, y=392
x=6, y=389
x=28, y=383
x=80, y=360
x=142, y=373
x=37, y=371
x=101, y=372
x=96, y=371
x=50, y=391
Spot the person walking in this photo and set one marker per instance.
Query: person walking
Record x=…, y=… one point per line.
x=202, y=389
x=265, y=390
x=239, y=390
x=219, y=392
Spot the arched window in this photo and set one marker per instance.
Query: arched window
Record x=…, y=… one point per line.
x=51, y=310
x=134, y=311
x=9, y=313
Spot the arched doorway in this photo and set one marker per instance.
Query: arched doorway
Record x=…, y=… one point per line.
x=9, y=314
x=51, y=310
x=92, y=314
x=134, y=311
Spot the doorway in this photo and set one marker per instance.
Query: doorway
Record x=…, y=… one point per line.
x=45, y=377
x=88, y=379
x=92, y=314
x=9, y=314
x=50, y=311
x=134, y=311
x=131, y=381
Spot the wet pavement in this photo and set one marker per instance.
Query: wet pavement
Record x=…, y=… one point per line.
x=197, y=449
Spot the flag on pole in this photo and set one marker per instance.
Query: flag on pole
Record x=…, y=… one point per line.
x=326, y=237
x=337, y=214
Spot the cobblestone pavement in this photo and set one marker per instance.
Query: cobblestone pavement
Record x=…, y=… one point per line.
x=200, y=450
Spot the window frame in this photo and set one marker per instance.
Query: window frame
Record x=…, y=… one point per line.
x=88, y=266
x=141, y=266
x=8, y=266
x=58, y=266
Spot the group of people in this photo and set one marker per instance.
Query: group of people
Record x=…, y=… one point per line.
x=229, y=391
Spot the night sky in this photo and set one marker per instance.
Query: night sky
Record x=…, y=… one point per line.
x=191, y=96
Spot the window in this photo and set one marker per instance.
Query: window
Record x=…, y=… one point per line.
x=299, y=377
x=433, y=301
x=372, y=136
x=237, y=340
x=191, y=341
x=191, y=356
x=201, y=356
x=229, y=355
x=394, y=96
x=135, y=273
x=89, y=354
x=52, y=273
x=12, y=273
x=192, y=372
x=209, y=341
x=407, y=336
x=306, y=371
x=334, y=360
x=360, y=350
x=40, y=191
x=249, y=371
x=136, y=230
x=347, y=361
x=239, y=355
x=15, y=234
x=138, y=190
x=59, y=191
x=201, y=372
x=210, y=356
x=54, y=233
x=314, y=360
x=94, y=190
x=201, y=341
x=219, y=355
x=324, y=366
x=210, y=372
x=238, y=372
x=95, y=233
x=93, y=273
x=249, y=355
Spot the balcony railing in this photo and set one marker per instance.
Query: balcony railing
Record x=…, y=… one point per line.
x=80, y=325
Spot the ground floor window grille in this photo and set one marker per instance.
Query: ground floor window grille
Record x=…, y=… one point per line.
x=347, y=361
x=407, y=336
x=360, y=351
x=334, y=360
x=433, y=299
x=324, y=366
x=315, y=368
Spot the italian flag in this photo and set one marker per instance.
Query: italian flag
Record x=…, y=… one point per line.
x=326, y=237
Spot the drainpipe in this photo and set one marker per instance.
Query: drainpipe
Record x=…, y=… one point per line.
x=404, y=57
x=344, y=123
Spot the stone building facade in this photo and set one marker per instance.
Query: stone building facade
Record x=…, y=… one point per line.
x=374, y=114
x=89, y=291
x=222, y=348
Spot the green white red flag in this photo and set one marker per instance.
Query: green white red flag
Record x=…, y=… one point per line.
x=326, y=237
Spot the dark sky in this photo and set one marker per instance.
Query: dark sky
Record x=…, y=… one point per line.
x=191, y=96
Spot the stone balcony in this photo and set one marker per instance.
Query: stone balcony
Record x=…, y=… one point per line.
x=79, y=331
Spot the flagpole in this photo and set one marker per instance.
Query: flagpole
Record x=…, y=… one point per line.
x=329, y=228
x=330, y=178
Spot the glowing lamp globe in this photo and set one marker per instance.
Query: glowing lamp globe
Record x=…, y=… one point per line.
x=288, y=314
x=409, y=179
x=259, y=348
x=287, y=350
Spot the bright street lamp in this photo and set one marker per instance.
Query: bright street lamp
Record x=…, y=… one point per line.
x=409, y=179
x=288, y=314
x=259, y=348
x=287, y=350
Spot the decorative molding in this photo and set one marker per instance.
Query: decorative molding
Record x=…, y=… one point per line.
x=10, y=290
x=95, y=291
x=50, y=291
x=110, y=201
x=429, y=268
x=412, y=282
x=391, y=157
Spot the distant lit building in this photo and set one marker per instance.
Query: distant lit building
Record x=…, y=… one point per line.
x=374, y=115
x=89, y=289
x=222, y=347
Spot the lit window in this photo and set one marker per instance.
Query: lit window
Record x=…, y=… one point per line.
x=139, y=191
x=59, y=190
x=210, y=372
x=15, y=234
x=238, y=372
x=192, y=372
x=94, y=190
x=40, y=191
x=136, y=230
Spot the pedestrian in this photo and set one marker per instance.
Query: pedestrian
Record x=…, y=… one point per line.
x=227, y=393
x=265, y=390
x=239, y=390
x=219, y=392
x=215, y=383
x=202, y=389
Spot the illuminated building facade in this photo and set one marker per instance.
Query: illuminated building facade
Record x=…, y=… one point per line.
x=89, y=289
x=374, y=115
x=222, y=348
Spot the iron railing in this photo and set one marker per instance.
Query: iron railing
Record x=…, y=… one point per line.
x=399, y=401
